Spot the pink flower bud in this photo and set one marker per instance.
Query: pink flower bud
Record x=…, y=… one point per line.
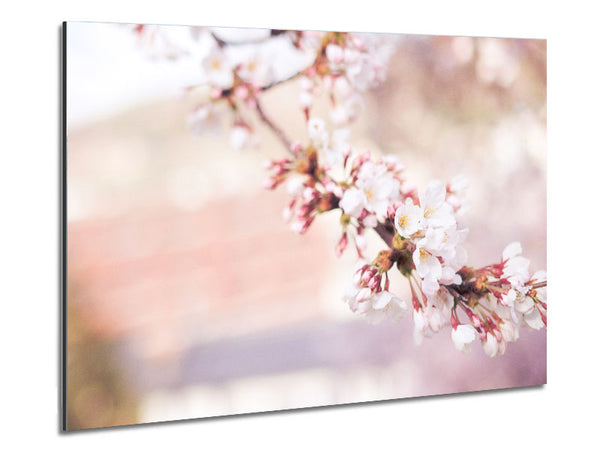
x=475, y=320
x=481, y=333
x=497, y=334
x=391, y=212
x=303, y=211
x=307, y=224
x=341, y=245
x=368, y=274
x=374, y=282
x=454, y=321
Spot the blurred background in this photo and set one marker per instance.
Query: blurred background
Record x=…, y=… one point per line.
x=188, y=296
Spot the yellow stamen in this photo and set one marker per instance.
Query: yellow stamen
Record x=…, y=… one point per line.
x=429, y=212
x=403, y=221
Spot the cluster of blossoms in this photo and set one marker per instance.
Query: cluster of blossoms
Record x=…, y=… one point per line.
x=495, y=300
x=420, y=227
x=311, y=190
x=499, y=299
x=345, y=66
x=234, y=73
x=432, y=229
x=425, y=244
x=367, y=296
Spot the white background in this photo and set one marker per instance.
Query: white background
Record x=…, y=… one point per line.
x=564, y=412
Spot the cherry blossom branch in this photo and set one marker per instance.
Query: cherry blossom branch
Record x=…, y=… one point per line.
x=421, y=230
x=423, y=243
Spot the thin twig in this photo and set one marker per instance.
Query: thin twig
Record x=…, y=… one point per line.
x=274, y=128
x=283, y=80
x=227, y=92
x=381, y=229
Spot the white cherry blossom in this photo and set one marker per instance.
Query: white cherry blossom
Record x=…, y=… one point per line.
x=436, y=211
x=317, y=131
x=534, y=319
x=463, y=336
x=255, y=69
x=241, y=137
x=375, y=307
x=218, y=69
x=421, y=327
x=338, y=148
x=385, y=305
x=353, y=201
x=205, y=119
x=408, y=219
x=429, y=269
x=509, y=330
x=490, y=346
x=295, y=186
x=516, y=267
x=335, y=55
x=379, y=186
x=374, y=190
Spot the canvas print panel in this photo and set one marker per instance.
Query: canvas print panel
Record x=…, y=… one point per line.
x=264, y=220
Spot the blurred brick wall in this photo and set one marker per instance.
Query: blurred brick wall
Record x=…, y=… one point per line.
x=228, y=268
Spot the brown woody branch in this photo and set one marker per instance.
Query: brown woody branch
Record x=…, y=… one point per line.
x=385, y=233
